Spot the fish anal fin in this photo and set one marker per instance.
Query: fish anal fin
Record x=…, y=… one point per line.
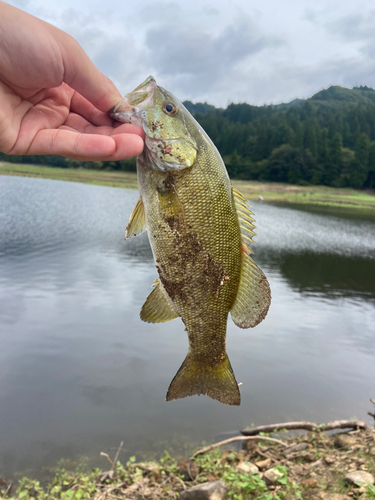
x=158, y=307
x=253, y=296
x=199, y=377
x=137, y=221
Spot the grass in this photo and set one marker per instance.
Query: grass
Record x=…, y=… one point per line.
x=271, y=191
x=127, y=180
x=307, y=195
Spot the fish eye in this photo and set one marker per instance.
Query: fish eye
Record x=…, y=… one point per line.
x=169, y=108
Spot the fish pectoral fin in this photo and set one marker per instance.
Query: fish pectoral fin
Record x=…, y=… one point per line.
x=137, y=221
x=200, y=377
x=158, y=307
x=253, y=296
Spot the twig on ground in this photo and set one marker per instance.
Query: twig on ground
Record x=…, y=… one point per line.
x=102, y=454
x=116, y=456
x=178, y=479
x=115, y=487
x=262, y=453
x=308, y=426
x=369, y=413
x=189, y=471
x=237, y=438
x=110, y=474
x=317, y=462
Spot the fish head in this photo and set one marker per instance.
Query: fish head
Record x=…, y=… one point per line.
x=168, y=145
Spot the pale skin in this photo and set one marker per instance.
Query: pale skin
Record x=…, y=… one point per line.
x=53, y=99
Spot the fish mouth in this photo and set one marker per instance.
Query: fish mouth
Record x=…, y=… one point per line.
x=130, y=108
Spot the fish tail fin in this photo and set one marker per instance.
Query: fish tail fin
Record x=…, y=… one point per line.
x=199, y=377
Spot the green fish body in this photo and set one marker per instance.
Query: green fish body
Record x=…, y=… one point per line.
x=200, y=229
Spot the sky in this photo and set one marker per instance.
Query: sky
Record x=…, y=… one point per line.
x=223, y=51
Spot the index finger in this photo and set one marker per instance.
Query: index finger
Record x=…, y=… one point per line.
x=82, y=75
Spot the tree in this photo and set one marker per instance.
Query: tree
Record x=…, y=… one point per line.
x=370, y=181
x=286, y=164
x=309, y=138
x=333, y=169
x=360, y=167
x=283, y=135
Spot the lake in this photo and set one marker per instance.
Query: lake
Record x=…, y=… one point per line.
x=79, y=371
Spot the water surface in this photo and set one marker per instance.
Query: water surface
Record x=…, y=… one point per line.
x=79, y=371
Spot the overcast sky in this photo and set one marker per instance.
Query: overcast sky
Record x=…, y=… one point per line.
x=223, y=51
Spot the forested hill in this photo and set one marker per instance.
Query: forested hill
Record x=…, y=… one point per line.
x=326, y=139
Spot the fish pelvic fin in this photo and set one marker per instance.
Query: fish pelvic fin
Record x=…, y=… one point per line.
x=137, y=221
x=200, y=377
x=158, y=307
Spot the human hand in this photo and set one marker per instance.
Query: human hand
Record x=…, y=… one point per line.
x=53, y=99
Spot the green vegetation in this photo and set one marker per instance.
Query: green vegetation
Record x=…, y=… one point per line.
x=120, y=179
x=311, y=466
x=307, y=195
x=328, y=140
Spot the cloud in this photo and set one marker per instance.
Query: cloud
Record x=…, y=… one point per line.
x=354, y=28
x=114, y=50
x=357, y=28
x=195, y=60
x=222, y=52
x=309, y=79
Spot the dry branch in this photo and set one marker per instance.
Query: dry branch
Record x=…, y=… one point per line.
x=116, y=456
x=237, y=438
x=307, y=426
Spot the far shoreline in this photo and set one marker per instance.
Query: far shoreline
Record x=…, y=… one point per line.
x=272, y=192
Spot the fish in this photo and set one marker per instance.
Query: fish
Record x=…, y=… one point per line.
x=200, y=229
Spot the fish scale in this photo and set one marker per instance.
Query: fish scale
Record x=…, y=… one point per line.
x=200, y=230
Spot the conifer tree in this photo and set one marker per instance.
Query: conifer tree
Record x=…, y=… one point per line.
x=332, y=171
x=360, y=168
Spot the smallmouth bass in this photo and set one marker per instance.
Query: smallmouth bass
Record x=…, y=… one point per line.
x=200, y=229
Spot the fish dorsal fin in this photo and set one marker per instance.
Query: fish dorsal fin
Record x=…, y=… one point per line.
x=254, y=294
x=245, y=219
x=137, y=221
x=158, y=307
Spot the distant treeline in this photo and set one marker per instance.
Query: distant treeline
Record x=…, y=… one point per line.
x=328, y=139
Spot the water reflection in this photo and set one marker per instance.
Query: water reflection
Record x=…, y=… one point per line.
x=79, y=371
x=328, y=275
